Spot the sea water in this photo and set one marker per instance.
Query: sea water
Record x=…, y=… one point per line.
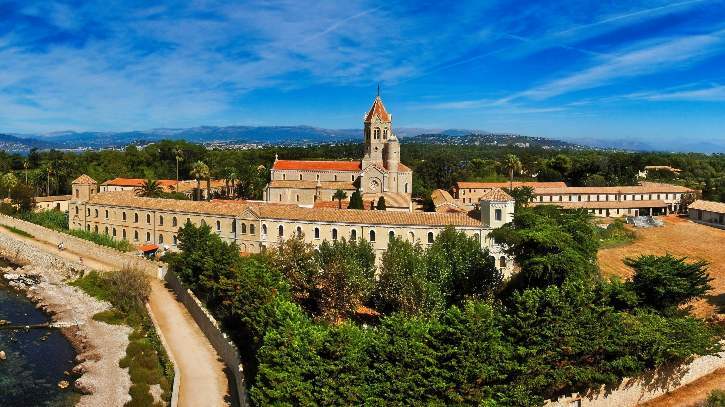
x=36, y=359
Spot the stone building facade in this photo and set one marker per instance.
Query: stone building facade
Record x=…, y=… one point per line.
x=254, y=226
x=378, y=173
x=647, y=198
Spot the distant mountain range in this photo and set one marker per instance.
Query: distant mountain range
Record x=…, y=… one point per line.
x=302, y=135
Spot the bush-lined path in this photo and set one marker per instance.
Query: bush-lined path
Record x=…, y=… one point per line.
x=203, y=381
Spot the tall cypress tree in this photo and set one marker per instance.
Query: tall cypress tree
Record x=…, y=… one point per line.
x=356, y=201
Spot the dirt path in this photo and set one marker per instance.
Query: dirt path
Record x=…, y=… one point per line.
x=680, y=237
x=691, y=394
x=203, y=381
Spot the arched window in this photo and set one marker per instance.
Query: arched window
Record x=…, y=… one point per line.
x=88, y=228
x=280, y=230
x=95, y=229
x=297, y=197
x=244, y=228
x=114, y=232
x=234, y=226
x=299, y=231
x=96, y=212
x=412, y=236
x=105, y=230
x=430, y=237
x=123, y=234
x=372, y=235
x=391, y=235
x=334, y=177
x=334, y=234
x=161, y=220
x=148, y=236
x=77, y=193
x=284, y=177
x=148, y=218
x=174, y=221
x=106, y=213
x=124, y=216
x=161, y=238
x=353, y=235
x=135, y=235
x=406, y=187
x=251, y=229
x=502, y=261
x=218, y=226
x=135, y=218
x=175, y=240
x=76, y=210
x=264, y=230
x=88, y=211
x=300, y=177
x=188, y=220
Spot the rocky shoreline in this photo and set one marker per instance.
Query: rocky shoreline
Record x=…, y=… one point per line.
x=43, y=278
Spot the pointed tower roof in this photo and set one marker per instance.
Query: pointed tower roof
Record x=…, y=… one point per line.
x=84, y=180
x=378, y=109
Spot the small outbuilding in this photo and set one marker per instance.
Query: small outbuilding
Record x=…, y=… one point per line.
x=708, y=212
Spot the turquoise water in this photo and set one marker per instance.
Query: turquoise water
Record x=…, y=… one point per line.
x=36, y=358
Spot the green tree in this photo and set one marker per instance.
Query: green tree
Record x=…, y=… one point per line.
x=346, y=277
x=356, y=201
x=178, y=156
x=339, y=196
x=664, y=282
x=512, y=164
x=381, y=204
x=461, y=268
x=403, y=284
x=298, y=262
x=150, y=188
x=522, y=196
x=9, y=181
x=22, y=196
x=200, y=171
x=550, y=245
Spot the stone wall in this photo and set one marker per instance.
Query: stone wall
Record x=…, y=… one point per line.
x=78, y=245
x=633, y=391
x=227, y=351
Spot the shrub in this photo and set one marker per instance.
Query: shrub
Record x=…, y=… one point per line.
x=664, y=282
x=129, y=289
x=55, y=220
x=103, y=240
x=716, y=398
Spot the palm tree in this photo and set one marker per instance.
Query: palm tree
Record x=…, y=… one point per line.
x=339, y=196
x=150, y=188
x=49, y=169
x=26, y=165
x=9, y=181
x=179, y=155
x=199, y=171
x=512, y=164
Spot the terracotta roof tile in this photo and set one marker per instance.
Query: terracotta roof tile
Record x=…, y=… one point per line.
x=53, y=198
x=654, y=203
x=137, y=182
x=643, y=188
x=377, y=109
x=356, y=216
x=495, y=195
x=516, y=184
x=84, y=180
x=345, y=186
x=285, y=211
x=710, y=206
x=391, y=199
x=317, y=165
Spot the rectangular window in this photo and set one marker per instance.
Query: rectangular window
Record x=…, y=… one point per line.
x=499, y=214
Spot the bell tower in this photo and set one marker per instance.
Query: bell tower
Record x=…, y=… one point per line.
x=377, y=130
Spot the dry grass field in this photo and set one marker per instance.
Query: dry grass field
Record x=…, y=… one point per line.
x=680, y=237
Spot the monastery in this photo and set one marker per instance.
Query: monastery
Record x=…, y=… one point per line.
x=288, y=209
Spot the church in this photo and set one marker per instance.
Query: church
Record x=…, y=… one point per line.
x=379, y=174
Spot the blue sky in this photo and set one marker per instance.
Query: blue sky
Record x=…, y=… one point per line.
x=646, y=70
